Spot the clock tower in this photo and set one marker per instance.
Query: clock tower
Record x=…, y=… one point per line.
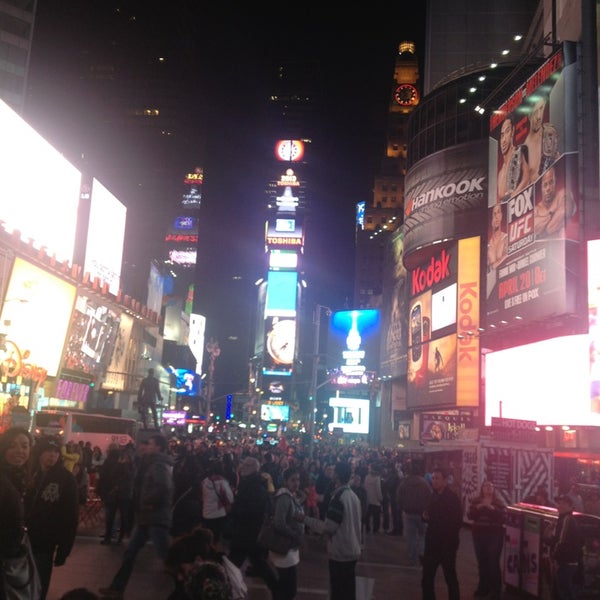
x=384, y=214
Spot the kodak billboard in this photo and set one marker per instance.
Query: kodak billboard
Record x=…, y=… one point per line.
x=443, y=340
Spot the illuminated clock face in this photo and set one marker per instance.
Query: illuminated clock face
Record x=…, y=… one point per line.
x=289, y=150
x=406, y=95
x=281, y=341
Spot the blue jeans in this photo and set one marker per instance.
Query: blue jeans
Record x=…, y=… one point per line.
x=414, y=529
x=140, y=536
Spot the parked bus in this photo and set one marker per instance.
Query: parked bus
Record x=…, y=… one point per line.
x=99, y=430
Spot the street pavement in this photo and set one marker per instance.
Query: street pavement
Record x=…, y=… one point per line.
x=92, y=565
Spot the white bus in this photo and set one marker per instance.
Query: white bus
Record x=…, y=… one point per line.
x=99, y=430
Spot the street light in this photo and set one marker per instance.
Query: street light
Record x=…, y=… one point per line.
x=315, y=368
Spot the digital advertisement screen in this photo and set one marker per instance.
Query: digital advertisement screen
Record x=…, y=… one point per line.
x=279, y=346
x=116, y=373
x=102, y=259
x=42, y=185
x=273, y=412
x=38, y=302
x=351, y=414
x=283, y=259
x=354, y=340
x=94, y=329
x=282, y=292
x=173, y=417
x=186, y=382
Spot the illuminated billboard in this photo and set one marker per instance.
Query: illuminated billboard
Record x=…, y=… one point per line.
x=116, y=374
x=183, y=229
x=104, y=260
x=446, y=198
x=39, y=187
x=186, y=382
x=534, y=216
x=274, y=412
x=353, y=343
x=282, y=293
x=349, y=414
x=280, y=346
x=443, y=328
x=192, y=196
x=94, y=329
x=394, y=338
x=37, y=307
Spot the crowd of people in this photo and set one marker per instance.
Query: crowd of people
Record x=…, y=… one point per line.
x=203, y=505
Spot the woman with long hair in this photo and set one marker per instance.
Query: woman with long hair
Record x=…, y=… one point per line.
x=15, y=478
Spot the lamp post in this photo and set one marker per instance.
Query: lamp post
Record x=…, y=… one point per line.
x=315, y=369
x=212, y=347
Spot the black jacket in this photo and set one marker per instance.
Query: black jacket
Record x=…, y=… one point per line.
x=52, y=511
x=444, y=518
x=252, y=502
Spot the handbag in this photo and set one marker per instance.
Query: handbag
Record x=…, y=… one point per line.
x=271, y=539
x=222, y=496
x=19, y=575
x=239, y=589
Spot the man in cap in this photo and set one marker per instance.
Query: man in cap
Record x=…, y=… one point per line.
x=566, y=550
x=251, y=504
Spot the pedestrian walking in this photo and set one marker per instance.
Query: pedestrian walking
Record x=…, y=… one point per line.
x=152, y=506
x=487, y=510
x=288, y=504
x=373, y=486
x=217, y=500
x=342, y=526
x=52, y=510
x=444, y=520
x=414, y=495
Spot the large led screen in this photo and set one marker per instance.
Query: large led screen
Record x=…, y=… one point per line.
x=39, y=188
x=37, y=309
x=280, y=346
x=94, y=328
x=282, y=291
x=353, y=345
x=349, y=414
x=547, y=382
x=534, y=213
x=116, y=374
x=103, y=259
x=274, y=412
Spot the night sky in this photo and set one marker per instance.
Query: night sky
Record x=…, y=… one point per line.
x=220, y=57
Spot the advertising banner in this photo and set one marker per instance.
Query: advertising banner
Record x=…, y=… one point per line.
x=443, y=336
x=533, y=202
x=116, y=374
x=37, y=306
x=280, y=346
x=394, y=340
x=445, y=198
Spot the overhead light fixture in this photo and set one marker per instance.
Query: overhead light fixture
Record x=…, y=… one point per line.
x=481, y=78
x=462, y=100
x=505, y=52
x=493, y=65
x=472, y=90
x=518, y=37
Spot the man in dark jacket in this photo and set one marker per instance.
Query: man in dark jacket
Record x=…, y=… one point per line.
x=153, y=512
x=566, y=550
x=444, y=520
x=251, y=504
x=52, y=511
